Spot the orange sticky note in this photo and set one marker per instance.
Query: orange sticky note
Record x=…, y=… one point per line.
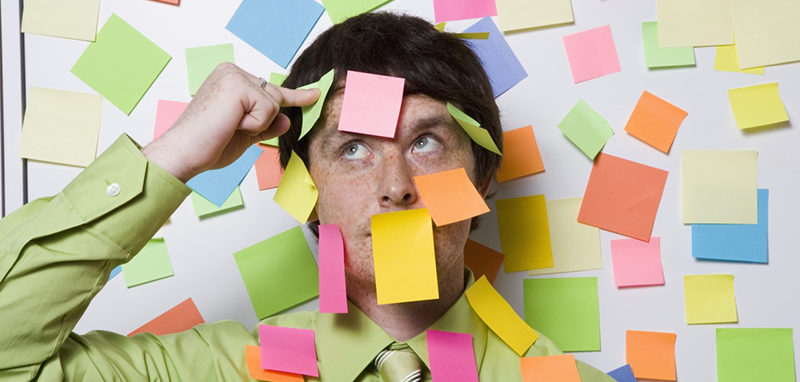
x=655, y=121
x=253, y=357
x=450, y=196
x=521, y=155
x=268, y=168
x=482, y=260
x=651, y=354
x=182, y=317
x=561, y=368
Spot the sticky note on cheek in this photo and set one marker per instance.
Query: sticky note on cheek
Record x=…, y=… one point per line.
x=297, y=193
x=450, y=196
x=371, y=104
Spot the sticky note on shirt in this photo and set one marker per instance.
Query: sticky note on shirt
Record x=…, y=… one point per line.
x=452, y=10
x=253, y=358
x=75, y=19
x=694, y=23
x=560, y=368
x=311, y=112
x=371, y=104
x=297, y=193
x=758, y=354
x=500, y=317
x=591, y=54
x=482, y=260
x=516, y=15
x=167, y=113
x=719, y=186
x=288, y=350
x=656, y=56
x=735, y=242
x=150, y=264
x=341, y=10
x=451, y=356
x=622, y=374
x=478, y=134
x=218, y=185
x=183, y=316
x=524, y=233
x=268, y=168
x=332, y=289
x=567, y=309
x=766, y=32
x=586, y=128
x=121, y=65
x=201, y=61
x=521, y=155
x=499, y=61
x=709, y=299
x=203, y=208
x=636, y=262
x=450, y=196
x=727, y=59
x=655, y=121
x=405, y=263
x=576, y=246
x=651, y=354
x=756, y=106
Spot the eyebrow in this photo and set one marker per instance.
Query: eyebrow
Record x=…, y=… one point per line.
x=331, y=135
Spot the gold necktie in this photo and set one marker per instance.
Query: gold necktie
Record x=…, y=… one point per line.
x=398, y=363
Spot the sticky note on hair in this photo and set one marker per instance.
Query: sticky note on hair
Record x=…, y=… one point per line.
x=655, y=121
x=478, y=134
x=371, y=104
x=297, y=193
x=289, y=350
x=183, y=316
x=482, y=260
x=75, y=19
x=202, y=60
x=451, y=356
x=253, y=357
x=651, y=354
x=709, y=299
x=150, y=264
x=567, y=309
x=756, y=106
x=450, y=196
x=560, y=368
x=735, y=242
x=586, y=128
x=498, y=59
x=500, y=316
x=591, y=54
x=167, y=113
x=521, y=155
x=218, y=185
x=755, y=354
x=719, y=186
x=332, y=289
x=311, y=112
x=636, y=262
x=524, y=233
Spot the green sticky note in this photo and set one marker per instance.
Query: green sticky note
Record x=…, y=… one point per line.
x=473, y=129
x=311, y=112
x=150, y=264
x=277, y=78
x=566, y=310
x=586, y=129
x=203, y=208
x=760, y=354
x=121, y=65
x=272, y=142
x=661, y=57
x=341, y=10
x=201, y=61
x=279, y=272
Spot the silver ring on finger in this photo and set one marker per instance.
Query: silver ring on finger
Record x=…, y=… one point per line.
x=262, y=82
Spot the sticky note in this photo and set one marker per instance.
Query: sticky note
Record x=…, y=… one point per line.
x=498, y=315
x=270, y=142
x=450, y=196
x=279, y=272
x=167, y=113
x=61, y=126
x=121, y=65
x=757, y=354
x=482, y=260
x=766, y=32
x=719, y=186
x=756, y=106
x=709, y=299
x=203, y=208
x=576, y=246
x=311, y=112
x=586, y=128
x=560, y=368
x=289, y=350
x=268, y=167
x=202, y=60
x=516, y=15
x=183, y=316
x=499, y=61
x=521, y=155
x=341, y=10
x=74, y=19
x=371, y=104
x=297, y=193
x=591, y=54
x=218, y=185
x=451, y=356
x=405, y=263
x=332, y=289
x=566, y=309
x=524, y=233
x=651, y=354
x=655, y=121
x=150, y=264
x=277, y=79
x=289, y=23
x=253, y=358
x=478, y=134
x=694, y=23
x=656, y=56
x=735, y=242
x=636, y=262
x=452, y=10
x=622, y=374
x=623, y=196
x=727, y=59
x=115, y=272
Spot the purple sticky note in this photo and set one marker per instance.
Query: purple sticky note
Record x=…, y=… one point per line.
x=332, y=290
x=451, y=357
x=591, y=53
x=622, y=374
x=288, y=349
x=451, y=10
x=371, y=104
x=499, y=61
x=167, y=113
x=636, y=262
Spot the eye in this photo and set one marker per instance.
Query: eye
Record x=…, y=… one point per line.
x=426, y=145
x=355, y=150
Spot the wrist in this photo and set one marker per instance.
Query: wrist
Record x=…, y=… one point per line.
x=169, y=159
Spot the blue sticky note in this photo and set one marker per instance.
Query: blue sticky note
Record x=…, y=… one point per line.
x=499, y=61
x=218, y=185
x=276, y=28
x=623, y=374
x=734, y=242
x=115, y=271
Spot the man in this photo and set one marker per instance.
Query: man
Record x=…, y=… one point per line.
x=57, y=252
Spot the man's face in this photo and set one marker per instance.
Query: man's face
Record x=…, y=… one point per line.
x=361, y=175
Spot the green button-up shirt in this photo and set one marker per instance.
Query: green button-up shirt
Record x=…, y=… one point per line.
x=56, y=254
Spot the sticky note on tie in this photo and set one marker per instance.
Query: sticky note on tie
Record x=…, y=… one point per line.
x=735, y=242
x=453, y=10
x=500, y=317
x=288, y=350
x=651, y=354
x=311, y=112
x=586, y=128
x=521, y=155
x=332, y=289
x=341, y=10
x=709, y=299
x=655, y=121
x=451, y=356
x=150, y=264
x=694, y=23
x=478, y=134
x=218, y=185
x=183, y=316
x=371, y=104
x=203, y=208
x=524, y=233
x=297, y=193
x=268, y=168
x=560, y=368
x=567, y=309
x=202, y=60
x=450, y=196
x=766, y=32
x=623, y=374
x=253, y=358
x=516, y=15
x=719, y=186
x=756, y=106
x=656, y=56
x=727, y=60
x=405, y=262
x=758, y=354
x=636, y=262
x=498, y=59
x=482, y=260
x=75, y=19
x=591, y=54
x=167, y=113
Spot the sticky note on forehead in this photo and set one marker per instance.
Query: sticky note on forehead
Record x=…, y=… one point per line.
x=473, y=129
x=450, y=196
x=371, y=104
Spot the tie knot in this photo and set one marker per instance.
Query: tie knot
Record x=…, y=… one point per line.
x=398, y=363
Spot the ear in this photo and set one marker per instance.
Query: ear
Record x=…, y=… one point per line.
x=484, y=190
x=313, y=217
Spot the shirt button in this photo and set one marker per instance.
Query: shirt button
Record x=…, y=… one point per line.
x=113, y=189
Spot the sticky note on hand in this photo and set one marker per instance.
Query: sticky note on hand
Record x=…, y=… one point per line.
x=312, y=112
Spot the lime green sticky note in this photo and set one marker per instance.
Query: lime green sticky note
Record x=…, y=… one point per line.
x=272, y=142
x=756, y=106
x=341, y=10
x=121, y=65
x=524, y=233
x=755, y=354
x=473, y=129
x=279, y=272
x=661, y=57
x=586, y=128
x=150, y=264
x=203, y=208
x=277, y=78
x=297, y=193
x=727, y=60
x=709, y=299
x=201, y=61
x=311, y=112
x=75, y=19
x=566, y=310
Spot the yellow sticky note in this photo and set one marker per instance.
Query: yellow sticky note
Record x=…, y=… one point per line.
x=766, y=31
x=403, y=252
x=524, y=233
x=727, y=60
x=694, y=23
x=524, y=14
x=756, y=106
x=74, y=19
x=576, y=246
x=709, y=299
x=297, y=193
x=719, y=186
x=478, y=134
x=500, y=317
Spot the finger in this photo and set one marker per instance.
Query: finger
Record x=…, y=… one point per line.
x=261, y=110
x=278, y=127
x=298, y=97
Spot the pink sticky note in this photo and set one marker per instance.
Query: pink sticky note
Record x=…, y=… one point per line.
x=371, y=104
x=167, y=113
x=332, y=290
x=451, y=357
x=288, y=349
x=591, y=53
x=637, y=263
x=451, y=10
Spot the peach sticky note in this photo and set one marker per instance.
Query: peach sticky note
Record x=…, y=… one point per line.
x=482, y=260
x=371, y=104
x=560, y=368
x=709, y=299
x=253, y=357
x=591, y=53
x=521, y=155
x=450, y=196
x=268, y=168
x=500, y=316
x=655, y=121
x=289, y=350
x=182, y=317
x=651, y=354
x=167, y=112
x=622, y=196
x=332, y=290
x=637, y=263
x=524, y=233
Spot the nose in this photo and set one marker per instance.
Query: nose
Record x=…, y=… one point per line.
x=396, y=187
